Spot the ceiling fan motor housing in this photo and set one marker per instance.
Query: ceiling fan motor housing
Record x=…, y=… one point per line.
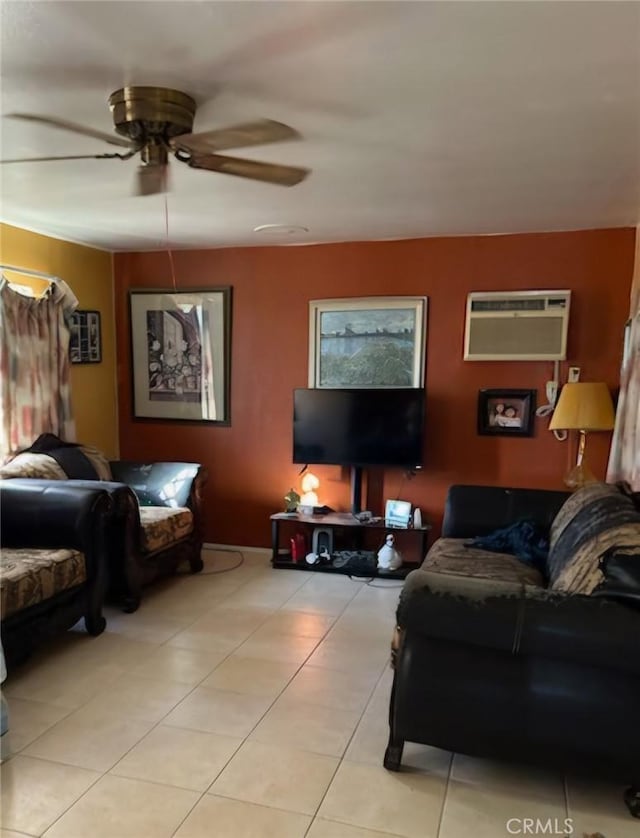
x=151, y=113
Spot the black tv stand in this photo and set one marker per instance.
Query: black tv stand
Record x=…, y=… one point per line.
x=351, y=534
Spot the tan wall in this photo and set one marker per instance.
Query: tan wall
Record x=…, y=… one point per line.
x=89, y=274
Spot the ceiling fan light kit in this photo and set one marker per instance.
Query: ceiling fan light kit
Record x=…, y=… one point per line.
x=158, y=120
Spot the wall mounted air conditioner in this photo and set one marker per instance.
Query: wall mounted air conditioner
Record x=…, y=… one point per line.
x=517, y=326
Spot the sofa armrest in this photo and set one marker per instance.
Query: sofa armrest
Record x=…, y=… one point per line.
x=160, y=484
x=472, y=511
x=53, y=513
x=520, y=619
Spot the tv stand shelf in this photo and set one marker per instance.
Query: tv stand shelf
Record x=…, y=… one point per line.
x=350, y=534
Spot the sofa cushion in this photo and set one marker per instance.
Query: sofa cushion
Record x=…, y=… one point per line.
x=51, y=466
x=32, y=465
x=452, y=556
x=30, y=575
x=163, y=526
x=594, y=519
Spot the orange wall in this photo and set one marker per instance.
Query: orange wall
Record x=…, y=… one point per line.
x=250, y=462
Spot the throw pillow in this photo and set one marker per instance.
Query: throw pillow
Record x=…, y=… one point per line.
x=32, y=465
x=594, y=519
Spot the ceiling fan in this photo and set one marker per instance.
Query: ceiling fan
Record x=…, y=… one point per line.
x=157, y=121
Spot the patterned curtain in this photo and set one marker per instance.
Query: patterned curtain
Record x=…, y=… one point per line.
x=34, y=366
x=624, y=462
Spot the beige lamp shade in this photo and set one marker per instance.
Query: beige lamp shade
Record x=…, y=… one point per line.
x=583, y=406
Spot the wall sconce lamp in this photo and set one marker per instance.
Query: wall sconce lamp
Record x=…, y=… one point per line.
x=585, y=407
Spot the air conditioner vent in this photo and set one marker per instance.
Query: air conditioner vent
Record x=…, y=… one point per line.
x=521, y=326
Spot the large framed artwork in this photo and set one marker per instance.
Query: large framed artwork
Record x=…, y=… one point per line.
x=180, y=351
x=367, y=342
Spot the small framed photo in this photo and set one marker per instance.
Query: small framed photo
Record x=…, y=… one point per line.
x=506, y=412
x=85, y=339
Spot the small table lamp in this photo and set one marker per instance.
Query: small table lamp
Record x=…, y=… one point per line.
x=583, y=406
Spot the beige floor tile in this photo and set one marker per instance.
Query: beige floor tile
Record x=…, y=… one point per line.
x=502, y=773
x=301, y=623
x=89, y=740
x=252, y=676
x=29, y=719
x=190, y=759
x=117, y=649
x=317, y=603
x=350, y=657
x=9, y=833
x=226, y=619
x=120, y=808
x=35, y=792
x=485, y=810
x=265, y=591
x=65, y=686
x=309, y=727
x=238, y=819
x=286, y=648
x=322, y=828
x=598, y=806
x=407, y=803
x=183, y=666
x=208, y=641
x=219, y=711
x=150, y=628
x=276, y=776
x=329, y=688
x=149, y=699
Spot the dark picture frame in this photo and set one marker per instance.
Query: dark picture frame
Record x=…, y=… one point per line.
x=181, y=354
x=85, y=337
x=506, y=412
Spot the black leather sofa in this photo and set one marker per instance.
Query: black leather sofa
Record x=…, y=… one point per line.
x=135, y=490
x=508, y=670
x=47, y=517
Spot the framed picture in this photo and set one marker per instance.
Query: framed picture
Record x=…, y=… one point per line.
x=506, y=412
x=367, y=342
x=85, y=338
x=180, y=354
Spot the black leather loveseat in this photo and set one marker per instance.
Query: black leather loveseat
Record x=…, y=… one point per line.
x=53, y=563
x=491, y=659
x=158, y=511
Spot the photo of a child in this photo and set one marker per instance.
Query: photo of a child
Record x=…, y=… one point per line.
x=503, y=415
x=506, y=412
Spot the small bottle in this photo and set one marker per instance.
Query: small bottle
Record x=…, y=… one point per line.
x=417, y=518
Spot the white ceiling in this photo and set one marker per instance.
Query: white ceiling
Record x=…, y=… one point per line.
x=418, y=118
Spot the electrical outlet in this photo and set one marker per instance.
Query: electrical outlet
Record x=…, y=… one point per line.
x=573, y=375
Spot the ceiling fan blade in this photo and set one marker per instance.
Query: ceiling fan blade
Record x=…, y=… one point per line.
x=252, y=169
x=152, y=180
x=260, y=132
x=63, y=124
x=69, y=157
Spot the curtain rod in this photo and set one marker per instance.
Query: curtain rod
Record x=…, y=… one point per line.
x=29, y=272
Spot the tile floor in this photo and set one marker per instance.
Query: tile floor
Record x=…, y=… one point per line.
x=252, y=704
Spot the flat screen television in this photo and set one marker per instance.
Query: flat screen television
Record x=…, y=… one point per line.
x=359, y=427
